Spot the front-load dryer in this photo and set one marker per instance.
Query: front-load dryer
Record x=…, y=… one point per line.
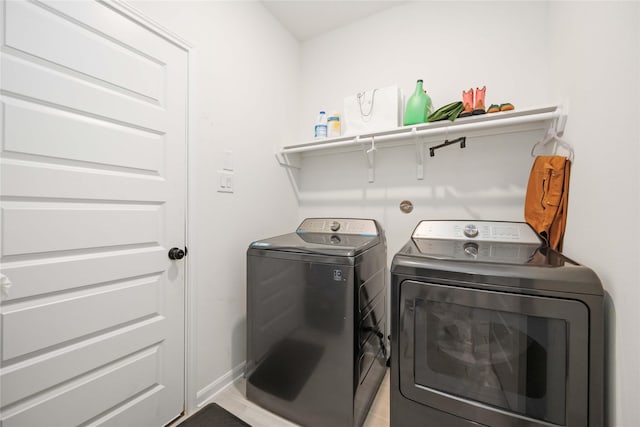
x=316, y=321
x=489, y=327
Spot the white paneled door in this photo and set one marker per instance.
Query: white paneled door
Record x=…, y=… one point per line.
x=92, y=198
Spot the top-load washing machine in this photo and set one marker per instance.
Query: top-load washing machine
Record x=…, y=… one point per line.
x=489, y=327
x=316, y=310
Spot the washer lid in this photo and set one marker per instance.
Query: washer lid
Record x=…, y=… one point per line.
x=327, y=236
x=354, y=226
x=484, y=231
x=318, y=243
x=477, y=241
x=508, y=261
x=492, y=252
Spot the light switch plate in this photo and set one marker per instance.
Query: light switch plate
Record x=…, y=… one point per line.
x=225, y=181
x=228, y=160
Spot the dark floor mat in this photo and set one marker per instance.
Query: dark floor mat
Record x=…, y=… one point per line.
x=213, y=415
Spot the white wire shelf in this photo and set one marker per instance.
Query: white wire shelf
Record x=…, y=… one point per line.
x=485, y=124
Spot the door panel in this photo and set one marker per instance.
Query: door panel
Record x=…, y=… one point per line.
x=108, y=386
x=65, y=135
x=72, y=361
x=36, y=227
x=54, y=321
x=92, y=267
x=30, y=78
x=52, y=180
x=31, y=23
x=92, y=196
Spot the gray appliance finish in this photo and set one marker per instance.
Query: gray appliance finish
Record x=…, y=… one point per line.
x=316, y=328
x=489, y=327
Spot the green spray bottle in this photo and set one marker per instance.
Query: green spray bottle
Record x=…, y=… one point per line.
x=418, y=106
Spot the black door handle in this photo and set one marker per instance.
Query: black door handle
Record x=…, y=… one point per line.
x=176, y=253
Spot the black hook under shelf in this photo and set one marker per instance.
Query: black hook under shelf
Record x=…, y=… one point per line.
x=462, y=140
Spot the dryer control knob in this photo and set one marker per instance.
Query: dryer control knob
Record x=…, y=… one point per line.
x=335, y=226
x=471, y=249
x=470, y=230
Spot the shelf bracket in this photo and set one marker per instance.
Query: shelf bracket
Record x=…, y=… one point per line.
x=419, y=154
x=561, y=120
x=371, y=158
x=286, y=161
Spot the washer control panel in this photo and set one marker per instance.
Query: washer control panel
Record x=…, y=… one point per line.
x=482, y=231
x=363, y=227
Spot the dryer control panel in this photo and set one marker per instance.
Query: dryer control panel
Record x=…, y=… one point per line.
x=482, y=231
x=363, y=227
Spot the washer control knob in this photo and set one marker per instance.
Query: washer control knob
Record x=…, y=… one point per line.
x=470, y=230
x=335, y=226
x=471, y=249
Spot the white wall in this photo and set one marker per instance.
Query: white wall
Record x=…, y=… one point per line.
x=244, y=72
x=595, y=60
x=528, y=53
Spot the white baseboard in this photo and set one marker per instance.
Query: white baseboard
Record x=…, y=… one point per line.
x=204, y=395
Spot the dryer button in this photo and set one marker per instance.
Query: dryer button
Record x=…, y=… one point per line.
x=470, y=230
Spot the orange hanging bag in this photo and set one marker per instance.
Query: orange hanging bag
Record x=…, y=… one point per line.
x=547, y=198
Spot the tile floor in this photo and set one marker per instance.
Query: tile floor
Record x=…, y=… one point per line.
x=232, y=398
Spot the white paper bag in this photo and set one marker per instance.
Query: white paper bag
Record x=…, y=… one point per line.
x=372, y=111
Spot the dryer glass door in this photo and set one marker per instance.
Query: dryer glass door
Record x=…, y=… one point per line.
x=494, y=355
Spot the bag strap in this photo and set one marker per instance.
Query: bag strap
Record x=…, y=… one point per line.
x=560, y=220
x=360, y=96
